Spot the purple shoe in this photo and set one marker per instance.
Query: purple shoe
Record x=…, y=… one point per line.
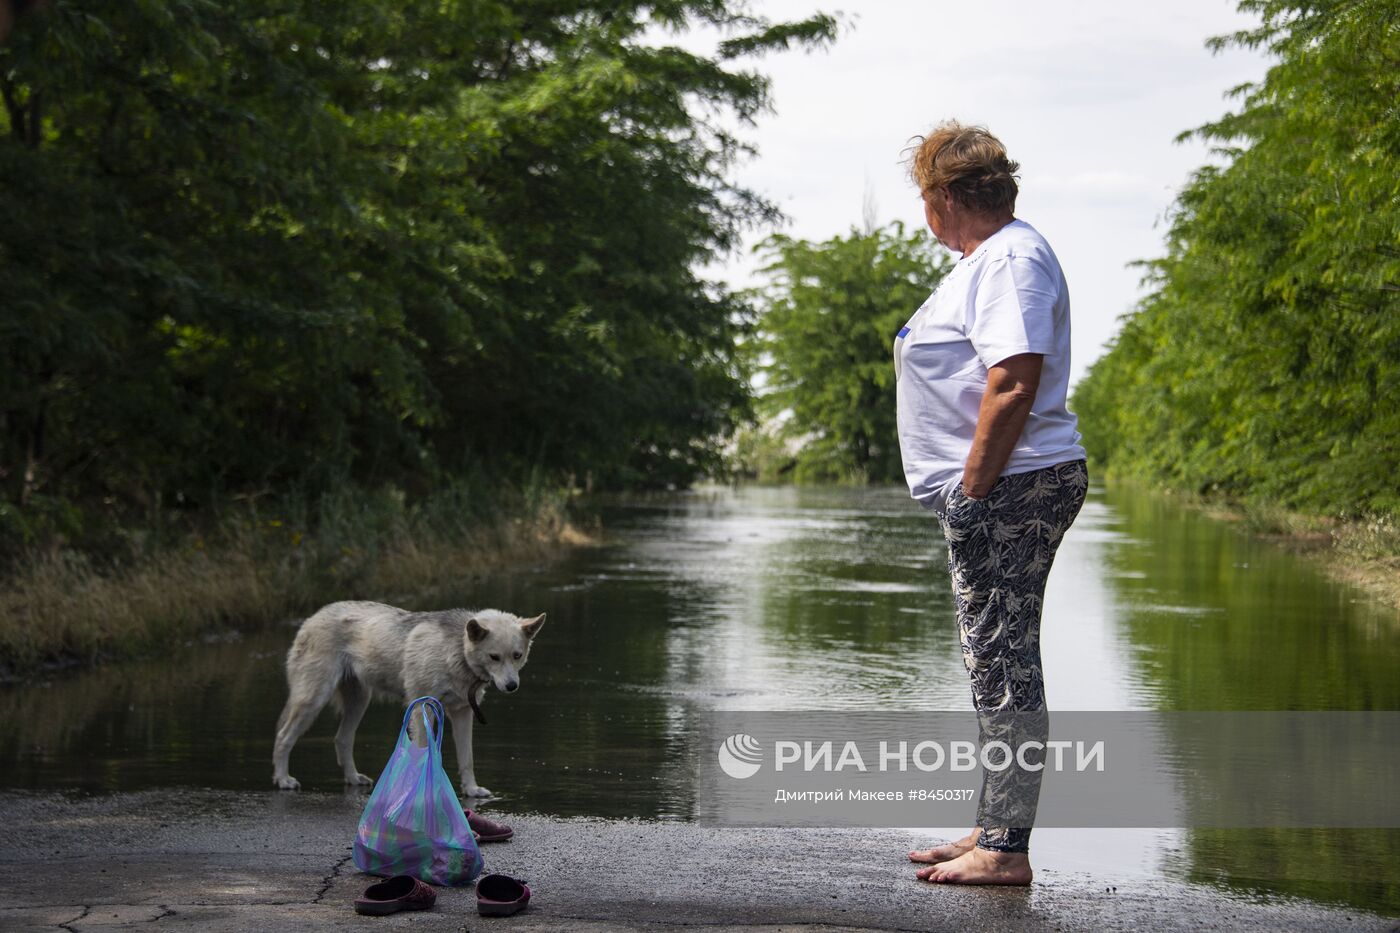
x=401, y=892
x=488, y=830
x=501, y=895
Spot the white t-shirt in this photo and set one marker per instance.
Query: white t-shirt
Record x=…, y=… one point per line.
x=1007, y=297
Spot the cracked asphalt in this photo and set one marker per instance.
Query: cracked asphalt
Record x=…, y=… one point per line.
x=223, y=861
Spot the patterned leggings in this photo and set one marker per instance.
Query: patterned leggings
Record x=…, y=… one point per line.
x=999, y=553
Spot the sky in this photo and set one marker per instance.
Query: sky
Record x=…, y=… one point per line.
x=1088, y=95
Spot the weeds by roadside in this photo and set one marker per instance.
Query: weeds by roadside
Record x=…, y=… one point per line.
x=262, y=565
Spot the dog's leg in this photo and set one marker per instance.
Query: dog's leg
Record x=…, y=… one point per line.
x=418, y=733
x=461, y=717
x=354, y=700
x=297, y=716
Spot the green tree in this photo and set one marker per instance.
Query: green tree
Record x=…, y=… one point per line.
x=830, y=312
x=267, y=247
x=1265, y=362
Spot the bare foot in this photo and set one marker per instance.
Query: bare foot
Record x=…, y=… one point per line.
x=946, y=853
x=981, y=866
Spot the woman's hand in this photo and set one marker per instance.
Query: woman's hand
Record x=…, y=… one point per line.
x=1006, y=403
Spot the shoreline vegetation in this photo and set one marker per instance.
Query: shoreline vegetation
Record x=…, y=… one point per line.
x=1359, y=551
x=261, y=567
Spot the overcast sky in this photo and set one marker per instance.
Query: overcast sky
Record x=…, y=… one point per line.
x=1086, y=94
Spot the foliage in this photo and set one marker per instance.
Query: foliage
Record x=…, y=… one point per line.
x=258, y=566
x=1265, y=362
x=264, y=248
x=830, y=313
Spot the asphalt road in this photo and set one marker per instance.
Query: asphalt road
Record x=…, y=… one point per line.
x=219, y=861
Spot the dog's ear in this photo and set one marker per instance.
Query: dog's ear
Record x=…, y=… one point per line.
x=475, y=631
x=531, y=627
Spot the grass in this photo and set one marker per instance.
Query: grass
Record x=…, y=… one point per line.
x=1361, y=551
x=261, y=566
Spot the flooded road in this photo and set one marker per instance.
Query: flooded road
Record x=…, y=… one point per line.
x=790, y=598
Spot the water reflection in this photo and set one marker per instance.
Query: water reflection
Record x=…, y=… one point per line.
x=1216, y=620
x=788, y=599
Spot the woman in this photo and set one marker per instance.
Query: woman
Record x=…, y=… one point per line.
x=990, y=447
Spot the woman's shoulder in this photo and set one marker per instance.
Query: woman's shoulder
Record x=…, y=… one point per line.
x=1018, y=240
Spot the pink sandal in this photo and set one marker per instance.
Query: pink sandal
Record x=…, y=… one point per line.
x=488, y=830
x=501, y=895
x=401, y=892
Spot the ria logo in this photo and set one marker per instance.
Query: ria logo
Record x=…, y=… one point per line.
x=740, y=756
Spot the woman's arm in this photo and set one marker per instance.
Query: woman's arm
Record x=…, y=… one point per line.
x=1006, y=403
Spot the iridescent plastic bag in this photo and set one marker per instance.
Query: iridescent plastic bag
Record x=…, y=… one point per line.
x=413, y=823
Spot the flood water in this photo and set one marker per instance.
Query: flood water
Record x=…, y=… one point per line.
x=791, y=598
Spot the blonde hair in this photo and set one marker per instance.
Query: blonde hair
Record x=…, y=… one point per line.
x=967, y=160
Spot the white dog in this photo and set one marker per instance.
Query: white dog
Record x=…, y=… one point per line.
x=354, y=650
